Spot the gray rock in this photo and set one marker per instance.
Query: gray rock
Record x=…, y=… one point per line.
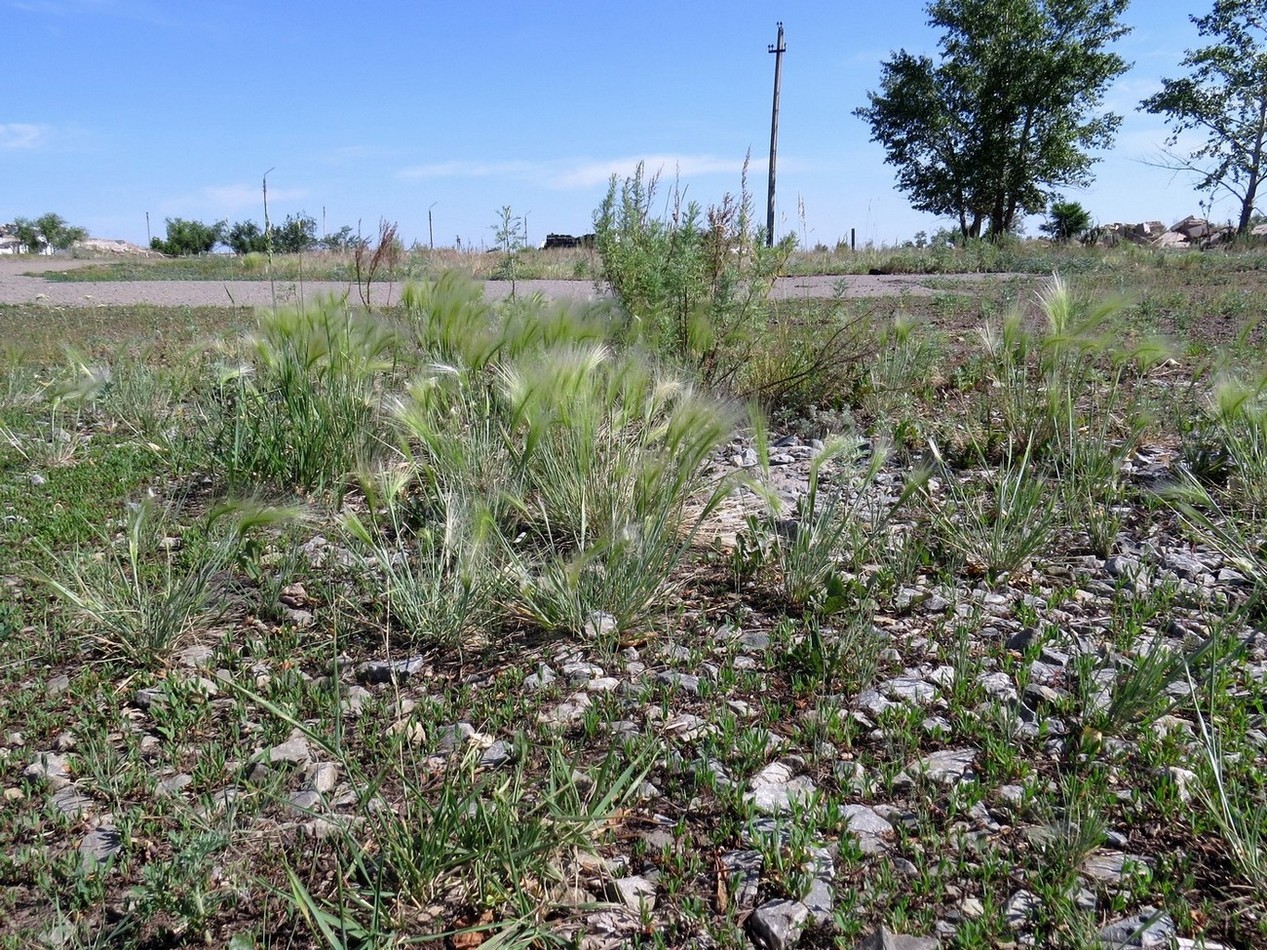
x=70, y=801
x=872, y=702
x=945, y=766
x=354, y=700
x=1123, y=566
x=820, y=897
x=998, y=686
x=540, y=679
x=683, y=681
x=297, y=618
x=943, y=676
x=600, y=624
x=174, y=784
x=295, y=749
x=99, y=846
x=374, y=672
x=676, y=653
x=1185, y=780
x=1020, y=909
x=322, y=777
x=886, y=939
x=1012, y=796
x=1185, y=565
x=908, y=598
x=567, y=712
x=972, y=908
x=936, y=726
x=197, y=656
x=578, y=674
x=777, y=924
x=1147, y=928
x=496, y=755
x=851, y=775
x=743, y=875
x=687, y=726
x=454, y=735
x=1232, y=577
x=1111, y=866
x=869, y=828
x=776, y=773
x=909, y=689
x=779, y=799
x=52, y=767
x=304, y=802
x=636, y=893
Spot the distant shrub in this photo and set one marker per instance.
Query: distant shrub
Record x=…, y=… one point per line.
x=186, y=238
x=693, y=285
x=1069, y=220
x=298, y=233
x=246, y=237
x=48, y=230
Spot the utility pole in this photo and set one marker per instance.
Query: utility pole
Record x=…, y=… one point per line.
x=778, y=49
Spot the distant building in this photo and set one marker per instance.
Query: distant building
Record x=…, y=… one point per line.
x=9, y=243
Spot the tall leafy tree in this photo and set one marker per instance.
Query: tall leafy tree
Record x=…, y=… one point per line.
x=185, y=238
x=245, y=237
x=1224, y=97
x=296, y=235
x=1008, y=113
x=48, y=229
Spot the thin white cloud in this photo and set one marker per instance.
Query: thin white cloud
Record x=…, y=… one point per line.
x=17, y=135
x=583, y=174
x=353, y=153
x=465, y=169
x=138, y=10
x=590, y=174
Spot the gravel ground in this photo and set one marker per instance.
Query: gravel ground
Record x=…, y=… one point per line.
x=16, y=287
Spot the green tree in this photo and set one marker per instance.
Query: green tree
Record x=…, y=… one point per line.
x=49, y=230
x=185, y=238
x=1224, y=97
x=1068, y=220
x=298, y=233
x=58, y=232
x=511, y=237
x=344, y=239
x=245, y=237
x=1008, y=113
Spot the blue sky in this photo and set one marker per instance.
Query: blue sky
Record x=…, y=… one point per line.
x=116, y=108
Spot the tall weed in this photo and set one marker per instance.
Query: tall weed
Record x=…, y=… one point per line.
x=301, y=411
x=694, y=284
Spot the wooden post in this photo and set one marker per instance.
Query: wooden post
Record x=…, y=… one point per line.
x=778, y=49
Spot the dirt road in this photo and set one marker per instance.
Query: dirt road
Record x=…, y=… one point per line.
x=16, y=287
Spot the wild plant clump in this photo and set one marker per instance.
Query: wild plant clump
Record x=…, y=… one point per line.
x=516, y=631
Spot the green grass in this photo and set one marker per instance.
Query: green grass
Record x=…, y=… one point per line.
x=497, y=488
